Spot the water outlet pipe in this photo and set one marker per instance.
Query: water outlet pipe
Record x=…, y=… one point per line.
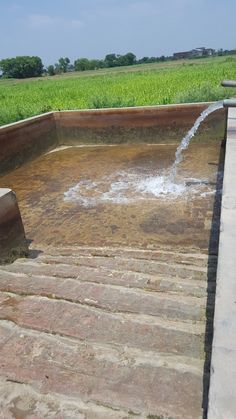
x=228, y=83
x=229, y=103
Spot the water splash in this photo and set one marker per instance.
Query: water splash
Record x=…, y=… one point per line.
x=160, y=186
x=163, y=185
x=130, y=187
x=190, y=134
x=127, y=187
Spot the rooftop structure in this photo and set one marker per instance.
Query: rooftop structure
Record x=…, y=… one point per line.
x=194, y=53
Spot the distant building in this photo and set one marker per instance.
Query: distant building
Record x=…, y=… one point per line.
x=180, y=55
x=202, y=52
x=194, y=53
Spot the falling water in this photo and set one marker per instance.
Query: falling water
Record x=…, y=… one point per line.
x=190, y=134
x=126, y=187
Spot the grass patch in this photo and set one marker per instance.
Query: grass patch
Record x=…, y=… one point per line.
x=203, y=93
x=150, y=84
x=108, y=102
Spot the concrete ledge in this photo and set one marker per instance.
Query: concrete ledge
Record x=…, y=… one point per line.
x=222, y=394
x=12, y=236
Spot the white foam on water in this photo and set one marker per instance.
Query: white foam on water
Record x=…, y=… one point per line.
x=117, y=193
x=160, y=185
x=81, y=193
x=126, y=187
x=89, y=193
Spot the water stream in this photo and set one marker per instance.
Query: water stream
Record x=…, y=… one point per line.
x=126, y=186
x=190, y=134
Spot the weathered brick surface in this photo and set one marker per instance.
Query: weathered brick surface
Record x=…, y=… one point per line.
x=103, y=335
x=109, y=297
x=164, y=254
x=159, y=283
x=106, y=375
x=91, y=324
x=23, y=401
x=143, y=266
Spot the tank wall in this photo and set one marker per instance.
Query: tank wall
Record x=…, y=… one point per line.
x=25, y=140
x=28, y=139
x=152, y=125
x=12, y=236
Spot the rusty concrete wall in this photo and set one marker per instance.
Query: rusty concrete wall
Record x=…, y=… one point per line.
x=153, y=124
x=12, y=236
x=25, y=140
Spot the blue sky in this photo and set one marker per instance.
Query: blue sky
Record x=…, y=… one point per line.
x=94, y=28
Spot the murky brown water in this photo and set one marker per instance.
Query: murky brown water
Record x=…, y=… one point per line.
x=94, y=216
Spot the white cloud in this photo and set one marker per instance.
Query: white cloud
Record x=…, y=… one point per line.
x=42, y=21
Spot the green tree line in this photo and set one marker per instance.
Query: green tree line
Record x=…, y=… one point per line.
x=25, y=66
x=21, y=67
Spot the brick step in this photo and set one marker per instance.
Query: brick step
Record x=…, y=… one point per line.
x=91, y=324
x=134, y=265
x=159, y=283
x=117, y=378
x=23, y=401
x=112, y=298
x=187, y=258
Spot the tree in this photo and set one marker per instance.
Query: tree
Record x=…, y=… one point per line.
x=22, y=67
x=111, y=60
x=128, y=59
x=57, y=68
x=63, y=64
x=143, y=60
x=51, y=70
x=95, y=64
x=71, y=67
x=82, y=64
x=114, y=60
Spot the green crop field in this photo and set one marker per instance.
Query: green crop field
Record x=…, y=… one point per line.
x=148, y=84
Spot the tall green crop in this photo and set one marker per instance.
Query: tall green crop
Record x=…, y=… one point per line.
x=136, y=86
